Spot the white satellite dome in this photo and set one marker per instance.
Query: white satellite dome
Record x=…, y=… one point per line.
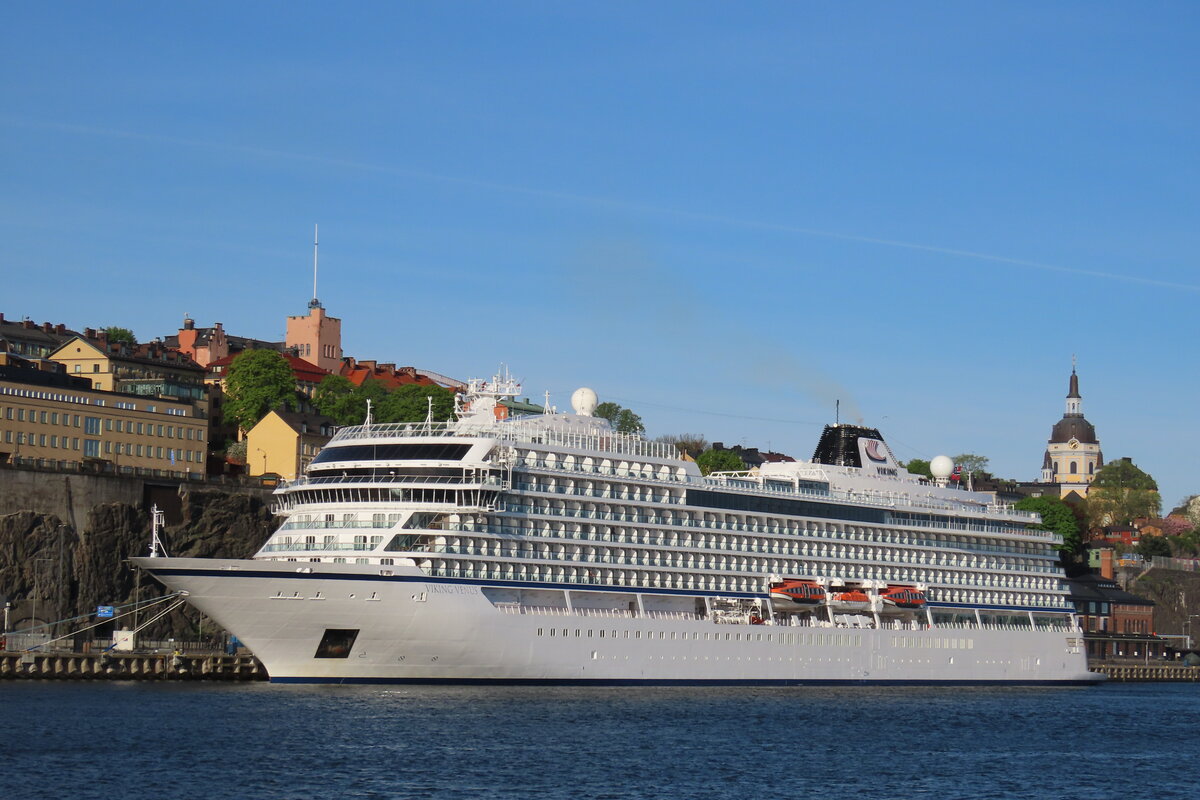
x=941, y=466
x=584, y=401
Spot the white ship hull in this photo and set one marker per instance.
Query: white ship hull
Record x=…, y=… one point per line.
x=414, y=628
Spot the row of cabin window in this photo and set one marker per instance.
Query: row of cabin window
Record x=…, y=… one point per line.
x=854, y=640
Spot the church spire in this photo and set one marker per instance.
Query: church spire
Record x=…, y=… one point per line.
x=1074, y=398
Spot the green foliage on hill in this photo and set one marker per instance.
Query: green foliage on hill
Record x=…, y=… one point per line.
x=1056, y=516
x=258, y=382
x=919, y=466
x=719, y=461
x=622, y=419
x=1120, y=493
x=338, y=398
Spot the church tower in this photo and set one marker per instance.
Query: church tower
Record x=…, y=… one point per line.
x=1073, y=454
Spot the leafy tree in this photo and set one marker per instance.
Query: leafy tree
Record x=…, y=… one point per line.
x=622, y=419
x=1120, y=493
x=338, y=398
x=1056, y=516
x=972, y=463
x=410, y=403
x=1151, y=546
x=919, y=466
x=258, y=382
x=116, y=334
x=719, y=461
x=335, y=398
x=691, y=443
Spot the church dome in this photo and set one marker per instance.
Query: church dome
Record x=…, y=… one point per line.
x=1069, y=428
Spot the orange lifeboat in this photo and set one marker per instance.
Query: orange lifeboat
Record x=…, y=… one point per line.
x=851, y=601
x=797, y=594
x=903, y=597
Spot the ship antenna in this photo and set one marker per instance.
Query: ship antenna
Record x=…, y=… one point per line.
x=367, y=422
x=837, y=412
x=429, y=414
x=157, y=518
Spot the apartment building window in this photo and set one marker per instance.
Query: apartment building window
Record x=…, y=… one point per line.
x=107, y=448
x=76, y=420
x=189, y=433
x=53, y=440
x=42, y=440
x=141, y=430
x=8, y=437
x=107, y=424
x=54, y=418
x=78, y=368
x=43, y=417
x=139, y=451
x=95, y=367
x=160, y=433
x=91, y=425
x=170, y=432
x=8, y=413
x=20, y=415
x=160, y=452
x=74, y=443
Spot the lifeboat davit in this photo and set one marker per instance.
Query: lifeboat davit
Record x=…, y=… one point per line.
x=903, y=597
x=851, y=602
x=795, y=595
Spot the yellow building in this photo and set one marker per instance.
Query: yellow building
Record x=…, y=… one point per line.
x=53, y=418
x=285, y=442
x=148, y=369
x=1073, y=455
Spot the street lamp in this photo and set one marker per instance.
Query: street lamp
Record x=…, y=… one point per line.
x=1187, y=626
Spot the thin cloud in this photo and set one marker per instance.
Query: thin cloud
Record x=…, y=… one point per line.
x=384, y=169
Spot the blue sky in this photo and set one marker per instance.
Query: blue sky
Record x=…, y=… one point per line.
x=723, y=216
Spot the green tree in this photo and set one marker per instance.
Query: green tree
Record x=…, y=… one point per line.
x=719, y=461
x=116, y=334
x=622, y=419
x=919, y=466
x=1120, y=493
x=335, y=398
x=410, y=403
x=1056, y=516
x=1151, y=546
x=691, y=443
x=258, y=382
x=977, y=465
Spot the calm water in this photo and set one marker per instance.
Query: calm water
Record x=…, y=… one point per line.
x=214, y=741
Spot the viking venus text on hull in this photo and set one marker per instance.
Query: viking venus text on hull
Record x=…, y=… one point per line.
x=549, y=548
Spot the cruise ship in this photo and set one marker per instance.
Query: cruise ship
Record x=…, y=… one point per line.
x=550, y=548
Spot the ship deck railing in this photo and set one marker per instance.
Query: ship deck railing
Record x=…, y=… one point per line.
x=724, y=525
x=1048, y=596
x=518, y=430
x=707, y=564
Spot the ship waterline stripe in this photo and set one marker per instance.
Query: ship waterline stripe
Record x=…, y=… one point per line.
x=238, y=573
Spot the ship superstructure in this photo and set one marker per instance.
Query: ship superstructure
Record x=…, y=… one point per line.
x=552, y=548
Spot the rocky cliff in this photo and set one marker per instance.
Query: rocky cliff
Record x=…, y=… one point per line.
x=51, y=571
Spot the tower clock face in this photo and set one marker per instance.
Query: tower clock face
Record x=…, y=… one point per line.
x=1073, y=444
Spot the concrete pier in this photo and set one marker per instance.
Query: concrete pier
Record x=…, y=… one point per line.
x=1138, y=673
x=130, y=666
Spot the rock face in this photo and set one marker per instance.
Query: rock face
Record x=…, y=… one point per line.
x=50, y=571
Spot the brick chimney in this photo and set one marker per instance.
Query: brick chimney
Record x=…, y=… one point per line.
x=60, y=329
x=47, y=327
x=1106, y=564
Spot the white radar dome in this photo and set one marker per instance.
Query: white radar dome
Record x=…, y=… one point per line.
x=584, y=401
x=941, y=466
